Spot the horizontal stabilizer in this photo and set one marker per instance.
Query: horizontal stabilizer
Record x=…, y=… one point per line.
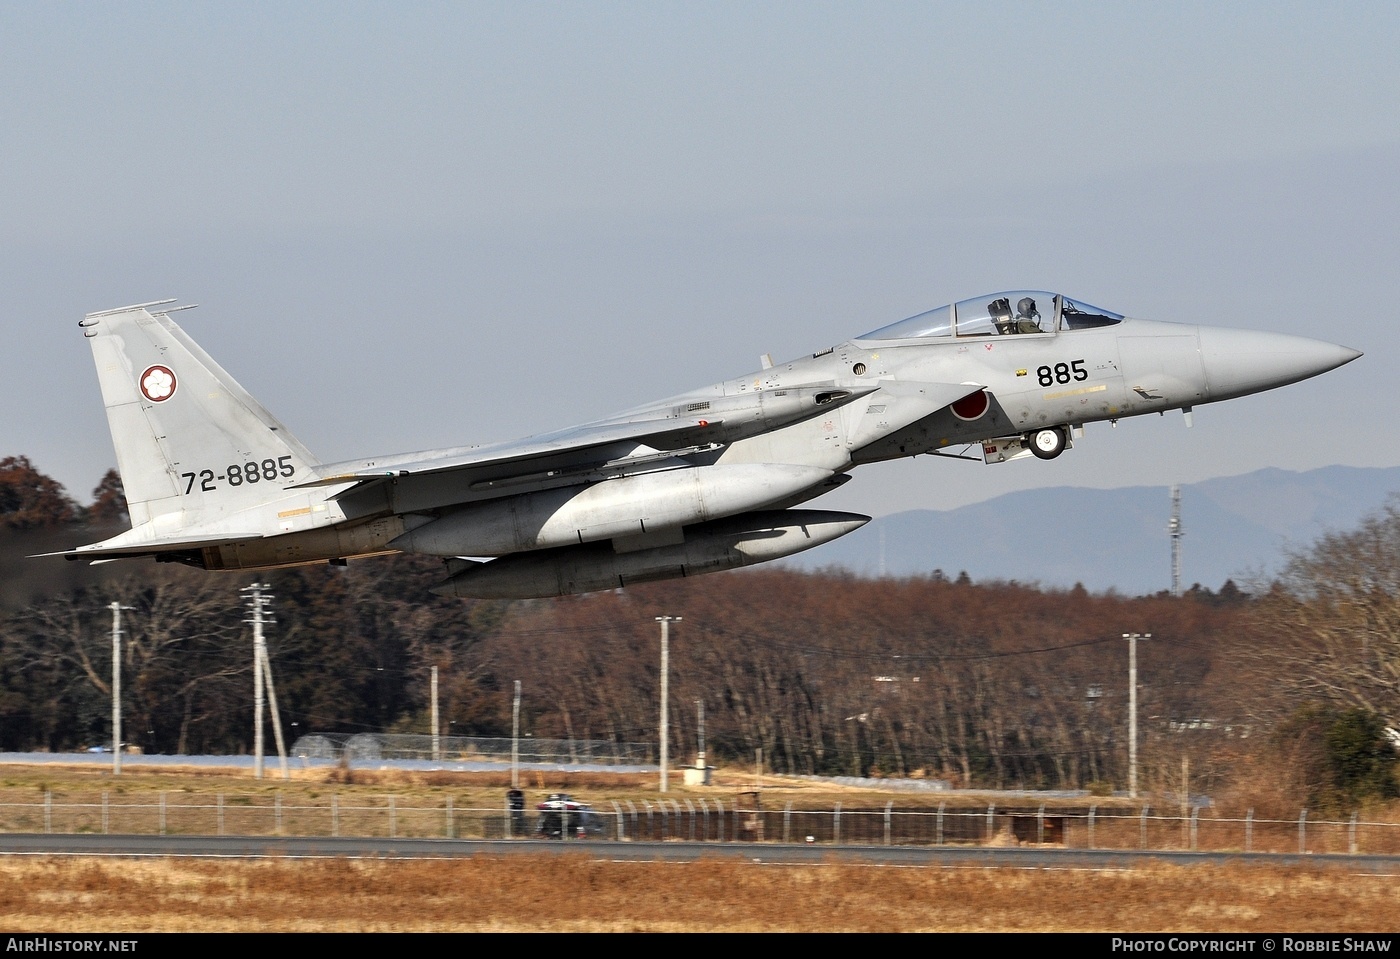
x=150, y=547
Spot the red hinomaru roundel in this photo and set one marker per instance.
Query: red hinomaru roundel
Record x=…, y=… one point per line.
x=158, y=383
x=971, y=407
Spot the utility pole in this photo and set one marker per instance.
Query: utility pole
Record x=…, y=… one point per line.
x=1175, y=531
x=257, y=605
x=515, y=740
x=700, y=725
x=276, y=716
x=665, y=622
x=1132, y=639
x=116, y=609
x=437, y=746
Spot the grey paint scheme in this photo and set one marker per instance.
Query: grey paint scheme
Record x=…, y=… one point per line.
x=701, y=481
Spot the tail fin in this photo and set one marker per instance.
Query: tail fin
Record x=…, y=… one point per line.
x=192, y=445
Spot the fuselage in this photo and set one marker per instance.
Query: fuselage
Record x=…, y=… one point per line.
x=1056, y=377
x=703, y=480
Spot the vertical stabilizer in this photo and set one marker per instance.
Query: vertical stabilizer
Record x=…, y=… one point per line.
x=192, y=445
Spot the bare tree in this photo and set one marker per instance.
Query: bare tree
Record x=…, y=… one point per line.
x=1329, y=629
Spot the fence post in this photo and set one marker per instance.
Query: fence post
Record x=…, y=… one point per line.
x=836, y=824
x=335, y=814
x=449, y=818
x=219, y=814
x=632, y=806
x=1195, y=813
x=1040, y=825
x=48, y=810
x=888, y=806
x=162, y=813
x=991, y=823
x=1142, y=829
x=719, y=819
x=393, y=819
x=104, y=813
x=690, y=807
x=1092, y=809
x=1351, y=834
x=1303, y=832
x=277, y=812
x=787, y=822
x=621, y=823
x=1249, y=830
x=941, y=806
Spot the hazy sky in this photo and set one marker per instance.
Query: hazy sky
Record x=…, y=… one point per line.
x=426, y=224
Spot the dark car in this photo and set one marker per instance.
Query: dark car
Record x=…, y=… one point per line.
x=562, y=816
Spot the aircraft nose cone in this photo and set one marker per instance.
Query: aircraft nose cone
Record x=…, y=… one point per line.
x=1240, y=362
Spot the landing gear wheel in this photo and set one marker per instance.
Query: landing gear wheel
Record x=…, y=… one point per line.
x=1048, y=443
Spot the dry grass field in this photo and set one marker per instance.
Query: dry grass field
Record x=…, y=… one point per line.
x=28, y=784
x=576, y=893
x=584, y=891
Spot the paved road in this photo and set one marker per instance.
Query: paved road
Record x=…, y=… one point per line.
x=242, y=847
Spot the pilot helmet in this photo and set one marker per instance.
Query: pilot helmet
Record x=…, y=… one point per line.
x=1026, y=307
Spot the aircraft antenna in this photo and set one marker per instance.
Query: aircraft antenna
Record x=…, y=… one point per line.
x=1175, y=531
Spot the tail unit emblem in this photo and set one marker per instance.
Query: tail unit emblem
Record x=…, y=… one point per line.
x=158, y=383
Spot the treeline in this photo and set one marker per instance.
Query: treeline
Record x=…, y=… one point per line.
x=990, y=684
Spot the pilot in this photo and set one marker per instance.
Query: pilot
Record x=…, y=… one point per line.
x=1027, y=316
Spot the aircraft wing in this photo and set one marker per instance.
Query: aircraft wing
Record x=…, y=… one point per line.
x=661, y=438
x=585, y=443
x=432, y=479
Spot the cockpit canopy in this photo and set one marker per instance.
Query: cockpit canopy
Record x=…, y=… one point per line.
x=1016, y=312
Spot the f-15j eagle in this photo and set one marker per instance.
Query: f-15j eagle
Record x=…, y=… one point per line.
x=708, y=480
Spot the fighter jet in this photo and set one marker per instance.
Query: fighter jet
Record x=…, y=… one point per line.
x=712, y=479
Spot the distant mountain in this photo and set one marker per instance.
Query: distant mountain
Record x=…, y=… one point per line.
x=1237, y=527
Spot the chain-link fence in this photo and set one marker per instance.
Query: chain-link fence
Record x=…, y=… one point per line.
x=698, y=820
